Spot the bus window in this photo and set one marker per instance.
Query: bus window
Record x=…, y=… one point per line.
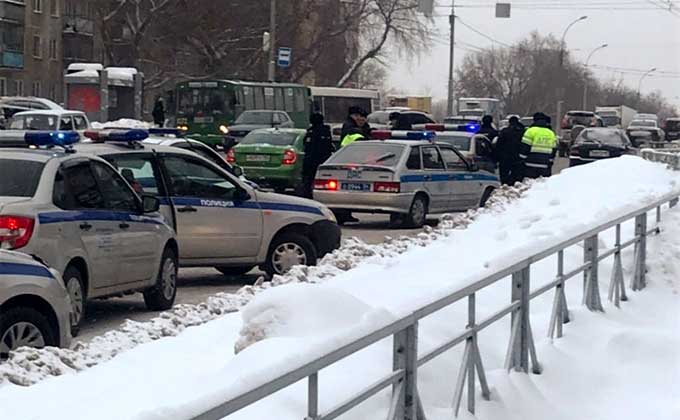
x=288, y=100
x=299, y=100
x=278, y=99
x=209, y=101
x=259, y=98
x=269, y=98
x=249, y=97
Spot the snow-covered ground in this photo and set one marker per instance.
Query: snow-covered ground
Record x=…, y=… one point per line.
x=622, y=364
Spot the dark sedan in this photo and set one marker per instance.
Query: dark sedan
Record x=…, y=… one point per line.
x=600, y=143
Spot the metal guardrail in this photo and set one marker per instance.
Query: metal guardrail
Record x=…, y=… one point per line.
x=669, y=156
x=521, y=353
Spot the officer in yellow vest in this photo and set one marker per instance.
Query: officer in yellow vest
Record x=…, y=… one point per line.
x=356, y=127
x=538, y=148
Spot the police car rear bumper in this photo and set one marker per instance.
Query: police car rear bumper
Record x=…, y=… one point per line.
x=366, y=202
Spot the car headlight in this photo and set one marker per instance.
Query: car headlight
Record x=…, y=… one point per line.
x=224, y=129
x=328, y=214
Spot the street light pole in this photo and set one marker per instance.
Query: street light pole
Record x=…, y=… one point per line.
x=564, y=36
x=452, y=21
x=585, y=82
x=271, y=74
x=643, y=78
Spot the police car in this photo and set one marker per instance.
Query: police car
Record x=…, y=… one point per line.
x=79, y=215
x=221, y=221
x=406, y=175
x=34, y=304
x=476, y=148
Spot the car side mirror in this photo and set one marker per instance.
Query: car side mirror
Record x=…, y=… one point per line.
x=241, y=195
x=150, y=203
x=474, y=167
x=238, y=171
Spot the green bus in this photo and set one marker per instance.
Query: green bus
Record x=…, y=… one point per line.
x=206, y=108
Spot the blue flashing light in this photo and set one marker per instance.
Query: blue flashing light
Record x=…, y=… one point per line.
x=421, y=135
x=166, y=132
x=51, y=138
x=126, y=135
x=472, y=128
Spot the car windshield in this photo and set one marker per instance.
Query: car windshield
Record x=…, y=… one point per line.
x=580, y=118
x=643, y=123
x=673, y=125
x=380, y=117
x=369, y=154
x=34, y=122
x=459, y=142
x=273, y=138
x=610, y=137
x=19, y=178
x=255, y=117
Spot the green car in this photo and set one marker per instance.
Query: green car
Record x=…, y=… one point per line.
x=271, y=157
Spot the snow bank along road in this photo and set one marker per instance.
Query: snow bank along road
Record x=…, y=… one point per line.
x=620, y=364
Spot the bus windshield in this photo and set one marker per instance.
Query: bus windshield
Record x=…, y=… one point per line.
x=206, y=101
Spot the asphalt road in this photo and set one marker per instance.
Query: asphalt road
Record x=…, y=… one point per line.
x=197, y=284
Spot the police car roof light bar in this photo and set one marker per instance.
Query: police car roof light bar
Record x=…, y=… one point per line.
x=49, y=139
x=117, y=135
x=435, y=127
x=421, y=135
x=381, y=134
x=167, y=132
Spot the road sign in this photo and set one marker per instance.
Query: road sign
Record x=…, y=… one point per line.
x=285, y=56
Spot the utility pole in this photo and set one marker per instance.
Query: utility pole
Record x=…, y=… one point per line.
x=452, y=21
x=272, y=42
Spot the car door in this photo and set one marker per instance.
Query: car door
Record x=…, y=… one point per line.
x=212, y=222
x=77, y=192
x=435, y=178
x=137, y=238
x=484, y=154
x=463, y=190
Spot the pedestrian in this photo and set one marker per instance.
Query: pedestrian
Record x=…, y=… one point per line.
x=487, y=129
x=318, y=148
x=538, y=148
x=158, y=112
x=356, y=126
x=507, y=152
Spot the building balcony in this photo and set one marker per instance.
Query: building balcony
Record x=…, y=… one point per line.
x=9, y=59
x=13, y=11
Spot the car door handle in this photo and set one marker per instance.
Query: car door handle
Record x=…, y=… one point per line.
x=85, y=226
x=124, y=226
x=187, y=209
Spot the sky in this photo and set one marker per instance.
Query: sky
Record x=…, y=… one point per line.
x=643, y=38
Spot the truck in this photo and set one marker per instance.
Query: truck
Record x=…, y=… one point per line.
x=419, y=103
x=480, y=107
x=618, y=116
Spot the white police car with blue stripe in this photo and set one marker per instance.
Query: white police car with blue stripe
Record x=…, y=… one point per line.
x=77, y=213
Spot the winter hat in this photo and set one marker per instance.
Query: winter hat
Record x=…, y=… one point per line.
x=357, y=110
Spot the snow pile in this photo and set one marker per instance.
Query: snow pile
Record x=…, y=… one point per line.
x=122, y=123
x=122, y=73
x=28, y=366
x=181, y=376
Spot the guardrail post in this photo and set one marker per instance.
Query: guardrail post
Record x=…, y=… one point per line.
x=521, y=345
x=313, y=397
x=405, y=356
x=560, y=311
x=673, y=203
x=617, y=286
x=591, y=296
x=639, y=276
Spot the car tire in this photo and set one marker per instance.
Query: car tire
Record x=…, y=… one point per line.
x=162, y=295
x=75, y=286
x=287, y=247
x=485, y=197
x=417, y=215
x=26, y=322
x=235, y=271
x=397, y=220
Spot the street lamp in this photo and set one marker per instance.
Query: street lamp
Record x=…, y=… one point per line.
x=564, y=35
x=643, y=78
x=585, y=82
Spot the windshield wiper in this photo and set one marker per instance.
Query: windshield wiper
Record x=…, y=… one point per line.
x=385, y=157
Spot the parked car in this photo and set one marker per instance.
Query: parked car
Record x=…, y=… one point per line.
x=50, y=120
x=80, y=216
x=30, y=102
x=571, y=119
x=34, y=306
x=600, y=143
x=641, y=116
x=253, y=120
x=672, y=129
x=220, y=220
x=271, y=157
x=381, y=119
x=645, y=131
x=475, y=148
x=406, y=178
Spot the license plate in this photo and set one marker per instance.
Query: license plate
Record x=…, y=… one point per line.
x=599, y=153
x=257, y=158
x=203, y=120
x=641, y=134
x=356, y=186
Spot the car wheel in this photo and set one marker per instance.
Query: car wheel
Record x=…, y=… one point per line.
x=73, y=280
x=161, y=297
x=24, y=327
x=289, y=250
x=417, y=215
x=235, y=271
x=485, y=197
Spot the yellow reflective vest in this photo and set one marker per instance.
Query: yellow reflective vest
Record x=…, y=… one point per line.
x=351, y=138
x=538, y=147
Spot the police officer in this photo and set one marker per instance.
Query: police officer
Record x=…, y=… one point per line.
x=356, y=126
x=507, y=152
x=538, y=148
x=487, y=128
x=318, y=148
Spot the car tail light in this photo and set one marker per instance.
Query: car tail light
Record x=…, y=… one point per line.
x=15, y=231
x=289, y=157
x=326, y=184
x=386, y=187
x=231, y=156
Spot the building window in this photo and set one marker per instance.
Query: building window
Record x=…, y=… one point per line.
x=53, y=92
x=3, y=86
x=53, y=49
x=36, y=46
x=37, y=88
x=54, y=7
x=19, y=87
x=37, y=6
